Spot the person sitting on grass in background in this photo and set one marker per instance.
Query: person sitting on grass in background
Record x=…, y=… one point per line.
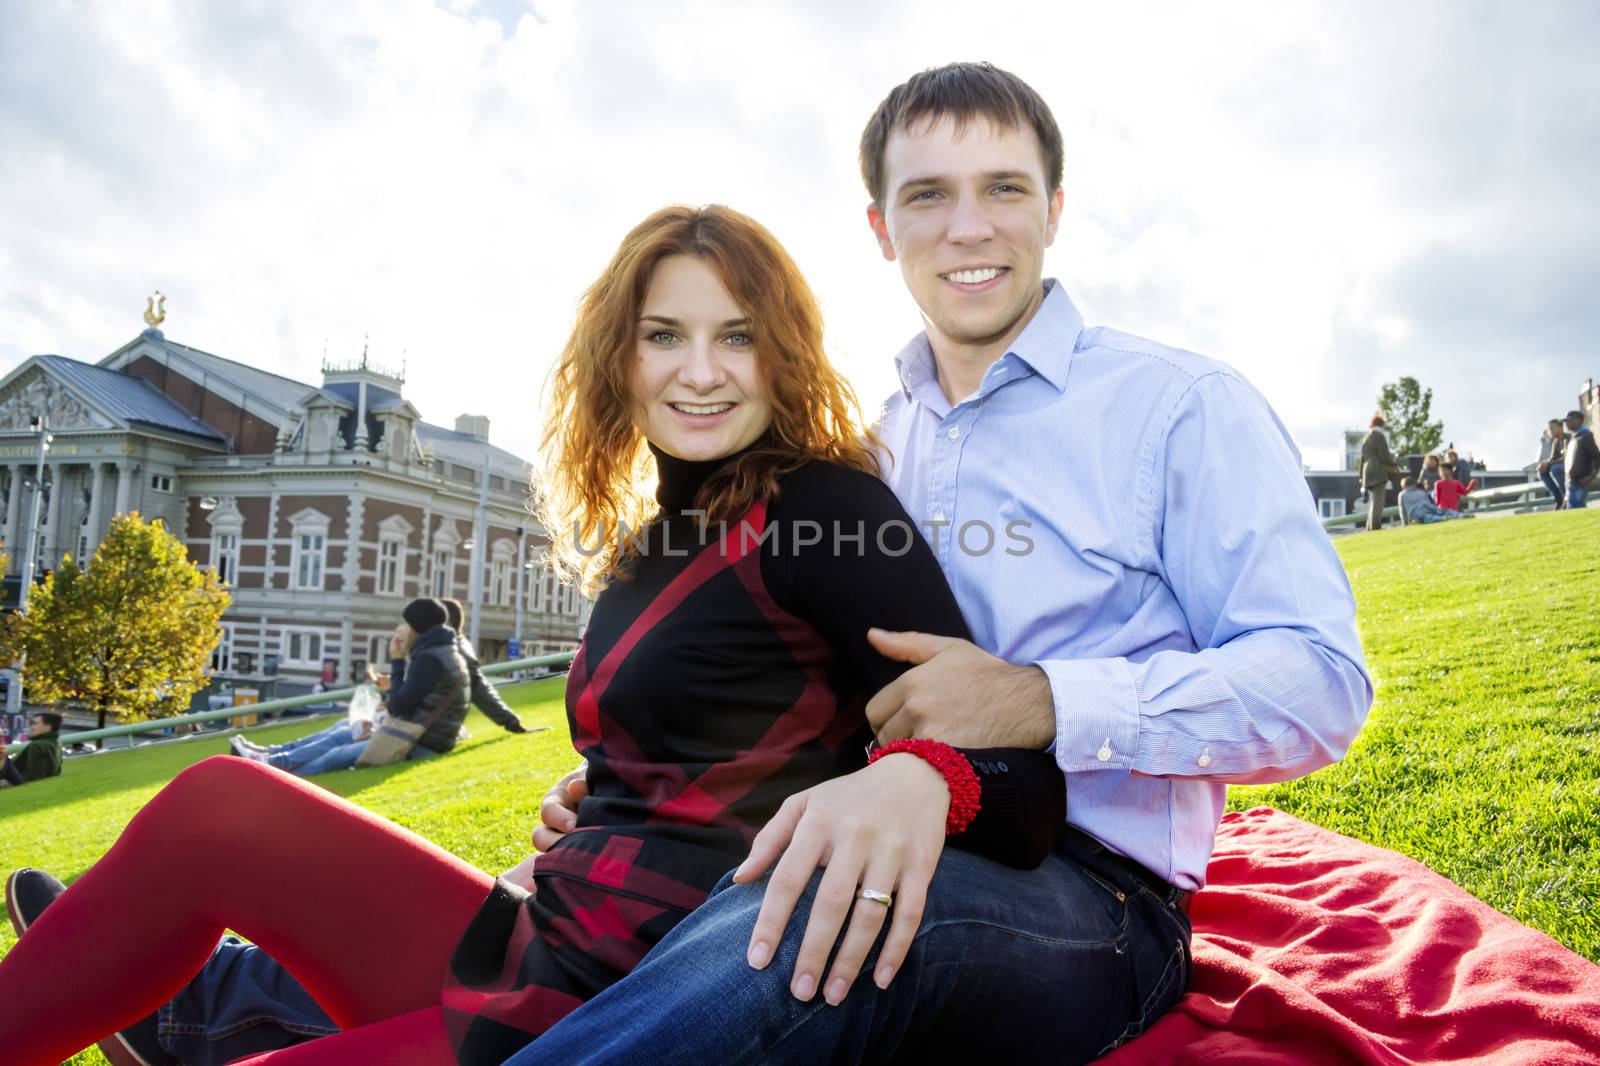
x=1553, y=461
x=41, y=758
x=1447, y=491
x=484, y=696
x=1430, y=473
x=434, y=690
x=1417, y=508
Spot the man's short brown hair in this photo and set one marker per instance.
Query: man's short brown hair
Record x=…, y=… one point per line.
x=964, y=91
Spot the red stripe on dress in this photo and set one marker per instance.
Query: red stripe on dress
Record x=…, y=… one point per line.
x=610, y=867
x=705, y=566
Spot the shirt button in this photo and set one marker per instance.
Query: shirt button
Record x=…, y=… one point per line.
x=953, y=432
x=1205, y=758
x=1104, y=754
x=939, y=516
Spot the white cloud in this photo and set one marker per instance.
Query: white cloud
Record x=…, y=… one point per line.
x=1325, y=196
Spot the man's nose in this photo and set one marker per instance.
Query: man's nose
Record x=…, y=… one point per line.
x=968, y=224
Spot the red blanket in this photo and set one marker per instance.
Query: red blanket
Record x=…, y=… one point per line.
x=1312, y=948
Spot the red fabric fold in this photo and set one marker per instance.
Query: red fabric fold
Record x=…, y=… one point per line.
x=1314, y=948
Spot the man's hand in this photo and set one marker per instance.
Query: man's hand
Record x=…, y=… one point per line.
x=881, y=828
x=558, y=813
x=960, y=694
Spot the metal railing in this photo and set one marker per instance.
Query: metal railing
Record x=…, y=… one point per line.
x=1496, y=499
x=153, y=725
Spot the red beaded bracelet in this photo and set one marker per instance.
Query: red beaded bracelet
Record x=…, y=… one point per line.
x=965, y=789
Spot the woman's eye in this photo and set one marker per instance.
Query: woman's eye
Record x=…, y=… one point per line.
x=739, y=340
x=662, y=336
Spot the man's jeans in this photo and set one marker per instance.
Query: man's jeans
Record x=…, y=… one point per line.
x=1555, y=479
x=241, y=1003
x=331, y=749
x=1057, y=965
x=1577, y=495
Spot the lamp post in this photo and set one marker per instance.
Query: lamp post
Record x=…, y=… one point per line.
x=480, y=533
x=522, y=583
x=30, y=547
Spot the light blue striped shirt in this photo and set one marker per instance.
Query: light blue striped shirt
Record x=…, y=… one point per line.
x=1133, y=519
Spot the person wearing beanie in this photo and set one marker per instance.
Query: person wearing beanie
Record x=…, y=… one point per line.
x=40, y=759
x=482, y=692
x=432, y=687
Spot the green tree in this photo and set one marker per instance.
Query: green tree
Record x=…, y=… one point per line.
x=1405, y=406
x=130, y=636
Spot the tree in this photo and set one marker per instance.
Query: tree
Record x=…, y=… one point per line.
x=1405, y=406
x=130, y=636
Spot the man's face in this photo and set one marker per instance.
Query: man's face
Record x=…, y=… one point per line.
x=968, y=218
x=1574, y=424
x=1556, y=428
x=38, y=726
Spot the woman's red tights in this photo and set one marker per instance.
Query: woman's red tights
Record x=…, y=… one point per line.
x=364, y=913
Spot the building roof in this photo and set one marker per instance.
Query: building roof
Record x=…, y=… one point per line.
x=274, y=388
x=129, y=398
x=463, y=449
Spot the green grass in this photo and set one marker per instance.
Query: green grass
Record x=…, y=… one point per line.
x=1481, y=757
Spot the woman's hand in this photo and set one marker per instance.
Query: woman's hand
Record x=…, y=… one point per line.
x=522, y=873
x=558, y=813
x=881, y=828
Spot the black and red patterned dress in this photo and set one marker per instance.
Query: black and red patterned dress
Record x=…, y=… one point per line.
x=726, y=674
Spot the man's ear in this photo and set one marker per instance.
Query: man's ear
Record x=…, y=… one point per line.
x=880, y=230
x=1052, y=217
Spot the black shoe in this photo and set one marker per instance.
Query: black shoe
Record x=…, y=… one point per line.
x=137, y=1045
x=28, y=893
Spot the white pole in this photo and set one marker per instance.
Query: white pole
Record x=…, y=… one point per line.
x=14, y=692
x=480, y=533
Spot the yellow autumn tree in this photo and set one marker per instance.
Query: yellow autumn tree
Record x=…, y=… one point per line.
x=129, y=636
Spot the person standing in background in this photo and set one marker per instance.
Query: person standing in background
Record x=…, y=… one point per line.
x=1378, y=468
x=1583, y=460
x=1553, y=461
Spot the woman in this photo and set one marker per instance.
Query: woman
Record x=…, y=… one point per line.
x=1431, y=472
x=723, y=669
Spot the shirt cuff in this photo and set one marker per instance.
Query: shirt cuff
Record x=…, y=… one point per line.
x=1097, y=713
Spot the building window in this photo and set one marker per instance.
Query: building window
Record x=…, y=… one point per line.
x=309, y=549
x=302, y=647
x=161, y=483
x=1331, y=508
x=388, y=567
x=222, y=655
x=444, y=565
x=225, y=557
x=309, y=539
x=83, y=541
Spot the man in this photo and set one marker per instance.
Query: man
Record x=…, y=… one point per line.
x=1416, y=508
x=1177, y=620
x=1553, y=461
x=40, y=759
x=1582, y=461
x=1378, y=468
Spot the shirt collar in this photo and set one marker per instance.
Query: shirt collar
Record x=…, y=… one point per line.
x=1045, y=345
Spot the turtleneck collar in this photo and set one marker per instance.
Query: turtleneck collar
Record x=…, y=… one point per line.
x=679, y=480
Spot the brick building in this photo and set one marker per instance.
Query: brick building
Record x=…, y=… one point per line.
x=324, y=507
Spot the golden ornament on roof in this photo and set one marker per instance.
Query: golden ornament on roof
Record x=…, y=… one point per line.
x=155, y=311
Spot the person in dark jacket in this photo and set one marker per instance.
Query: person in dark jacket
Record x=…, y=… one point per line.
x=432, y=687
x=40, y=759
x=1378, y=469
x=1583, y=460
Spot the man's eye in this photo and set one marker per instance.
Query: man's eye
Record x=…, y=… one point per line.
x=925, y=194
x=1006, y=188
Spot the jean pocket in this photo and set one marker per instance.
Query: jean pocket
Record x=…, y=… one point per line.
x=1155, y=989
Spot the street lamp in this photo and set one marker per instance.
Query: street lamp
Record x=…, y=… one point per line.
x=208, y=503
x=40, y=426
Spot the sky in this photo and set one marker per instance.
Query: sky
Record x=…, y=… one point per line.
x=1325, y=196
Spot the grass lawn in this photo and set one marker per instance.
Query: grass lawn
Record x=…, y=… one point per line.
x=1481, y=757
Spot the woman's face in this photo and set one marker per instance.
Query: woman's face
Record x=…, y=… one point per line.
x=696, y=383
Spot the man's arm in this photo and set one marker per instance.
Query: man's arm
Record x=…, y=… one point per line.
x=487, y=699
x=1276, y=683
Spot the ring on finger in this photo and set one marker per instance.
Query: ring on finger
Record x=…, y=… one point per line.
x=872, y=895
